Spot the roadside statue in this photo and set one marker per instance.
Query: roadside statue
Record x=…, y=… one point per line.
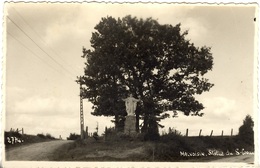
x=130, y=104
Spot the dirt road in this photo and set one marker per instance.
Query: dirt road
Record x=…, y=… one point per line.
x=241, y=158
x=35, y=152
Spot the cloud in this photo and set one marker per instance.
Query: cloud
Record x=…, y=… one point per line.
x=34, y=124
x=220, y=114
x=219, y=106
x=46, y=106
x=197, y=30
x=54, y=115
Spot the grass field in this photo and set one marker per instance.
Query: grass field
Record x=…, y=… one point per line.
x=170, y=148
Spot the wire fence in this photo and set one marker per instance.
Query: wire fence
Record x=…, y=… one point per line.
x=200, y=132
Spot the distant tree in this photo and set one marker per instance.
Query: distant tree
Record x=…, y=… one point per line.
x=150, y=60
x=73, y=136
x=246, y=131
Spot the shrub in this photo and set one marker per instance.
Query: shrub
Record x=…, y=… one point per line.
x=49, y=136
x=246, y=132
x=41, y=136
x=169, y=147
x=73, y=136
x=95, y=136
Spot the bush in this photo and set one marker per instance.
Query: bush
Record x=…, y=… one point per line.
x=49, y=136
x=246, y=132
x=95, y=136
x=11, y=137
x=169, y=147
x=73, y=136
x=14, y=134
x=41, y=136
x=115, y=136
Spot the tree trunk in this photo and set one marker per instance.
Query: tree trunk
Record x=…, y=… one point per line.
x=137, y=122
x=145, y=126
x=117, y=122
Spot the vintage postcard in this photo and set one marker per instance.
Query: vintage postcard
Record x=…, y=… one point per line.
x=129, y=85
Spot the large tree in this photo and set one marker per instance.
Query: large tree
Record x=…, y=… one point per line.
x=150, y=60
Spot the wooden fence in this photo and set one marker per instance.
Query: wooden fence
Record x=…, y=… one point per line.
x=211, y=133
x=17, y=130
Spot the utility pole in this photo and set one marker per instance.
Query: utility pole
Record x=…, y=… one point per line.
x=81, y=109
x=81, y=95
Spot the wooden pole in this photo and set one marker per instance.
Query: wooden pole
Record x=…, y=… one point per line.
x=81, y=109
x=211, y=133
x=222, y=133
x=232, y=132
x=86, y=131
x=200, y=132
x=187, y=132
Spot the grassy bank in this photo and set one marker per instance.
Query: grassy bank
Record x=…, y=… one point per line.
x=169, y=148
x=179, y=148
x=15, y=139
x=100, y=150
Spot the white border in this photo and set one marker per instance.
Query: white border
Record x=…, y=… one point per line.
x=135, y=164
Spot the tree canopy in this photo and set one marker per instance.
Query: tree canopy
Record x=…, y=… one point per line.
x=150, y=60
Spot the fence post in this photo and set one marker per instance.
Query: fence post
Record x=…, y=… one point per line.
x=187, y=132
x=200, y=132
x=211, y=133
x=22, y=130
x=232, y=132
x=222, y=133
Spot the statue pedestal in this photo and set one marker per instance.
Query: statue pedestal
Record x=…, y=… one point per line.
x=130, y=126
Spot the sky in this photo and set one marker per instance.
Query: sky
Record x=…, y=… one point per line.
x=43, y=58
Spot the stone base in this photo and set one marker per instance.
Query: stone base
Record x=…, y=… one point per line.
x=130, y=126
